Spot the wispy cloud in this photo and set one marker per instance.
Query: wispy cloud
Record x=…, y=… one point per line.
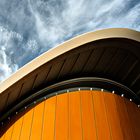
x=30, y=27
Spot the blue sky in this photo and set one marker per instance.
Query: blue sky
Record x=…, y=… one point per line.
x=30, y=27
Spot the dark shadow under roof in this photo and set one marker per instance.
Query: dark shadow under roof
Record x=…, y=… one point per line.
x=112, y=54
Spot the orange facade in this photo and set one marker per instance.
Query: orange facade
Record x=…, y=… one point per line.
x=79, y=115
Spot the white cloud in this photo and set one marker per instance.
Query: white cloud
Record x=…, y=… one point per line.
x=13, y=51
x=7, y=67
x=30, y=27
x=57, y=22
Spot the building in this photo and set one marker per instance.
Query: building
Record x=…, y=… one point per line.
x=86, y=88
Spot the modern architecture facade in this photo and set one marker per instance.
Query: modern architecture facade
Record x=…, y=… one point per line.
x=86, y=88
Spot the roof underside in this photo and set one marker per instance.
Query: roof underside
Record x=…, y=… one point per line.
x=115, y=58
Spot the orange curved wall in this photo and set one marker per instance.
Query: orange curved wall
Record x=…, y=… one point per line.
x=80, y=115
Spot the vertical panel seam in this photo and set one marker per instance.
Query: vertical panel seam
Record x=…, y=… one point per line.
x=31, y=124
x=107, y=117
x=55, y=118
x=21, y=127
x=119, y=117
x=43, y=120
x=94, y=114
x=129, y=118
x=81, y=114
x=68, y=117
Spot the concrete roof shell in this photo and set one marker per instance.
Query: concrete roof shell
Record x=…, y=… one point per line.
x=15, y=82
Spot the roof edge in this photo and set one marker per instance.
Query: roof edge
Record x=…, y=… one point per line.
x=65, y=47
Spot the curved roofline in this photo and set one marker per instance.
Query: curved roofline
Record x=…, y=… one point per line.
x=65, y=47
